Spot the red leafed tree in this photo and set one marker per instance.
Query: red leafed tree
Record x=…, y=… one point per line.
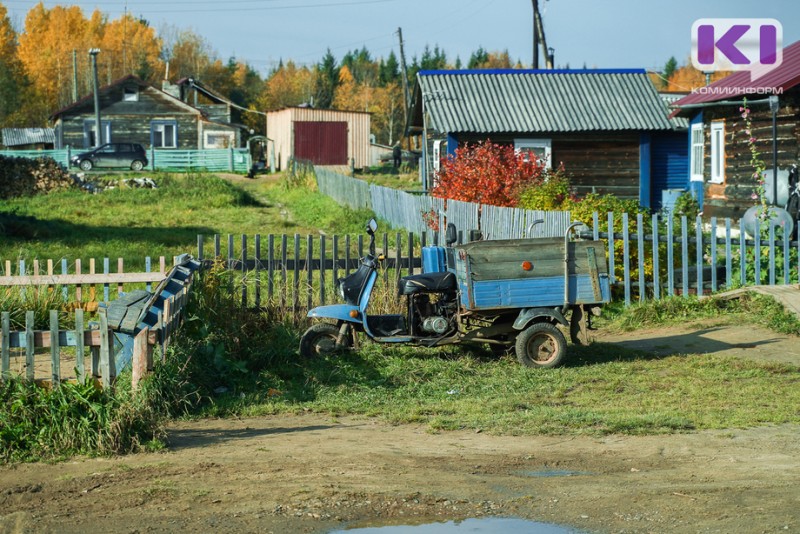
x=488, y=173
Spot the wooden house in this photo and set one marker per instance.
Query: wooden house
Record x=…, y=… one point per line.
x=133, y=111
x=321, y=136
x=608, y=128
x=721, y=165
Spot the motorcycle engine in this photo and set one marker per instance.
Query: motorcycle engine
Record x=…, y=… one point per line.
x=435, y=325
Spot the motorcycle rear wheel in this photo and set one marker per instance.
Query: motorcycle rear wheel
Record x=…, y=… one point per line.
x=541, y=345
x=320, y=340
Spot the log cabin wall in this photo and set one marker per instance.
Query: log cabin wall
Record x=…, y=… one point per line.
x=603, y=163
x=131, y=120
x=733, y=196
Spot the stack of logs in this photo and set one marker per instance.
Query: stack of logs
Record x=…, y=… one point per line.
x=25, y=177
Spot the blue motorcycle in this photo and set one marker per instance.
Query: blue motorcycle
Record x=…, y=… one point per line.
x=507, y=294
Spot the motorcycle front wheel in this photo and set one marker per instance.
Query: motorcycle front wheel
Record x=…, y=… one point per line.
x=320, y=340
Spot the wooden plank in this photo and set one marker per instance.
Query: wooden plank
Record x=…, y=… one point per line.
x=270, y=266
x=257, y=253
x=79, y=287
x=786, y=268
x=698, y=232
x=64, y=271
x=713, y=254
x=685, y=254
x=55, y=350
x=757, y=253
x=92, y=287
x=742, y=254
x=79, y=337
x=30, y=344
x=105, y=350
x=5, y=351
x=142, y=358
x=656, y=266
x=626, y=256
x=200, y=247
x=148, y=267
x=41, y=339
x=670, y=255
x=284, y=273
x=296, y=280
x=244, y=271
x=80, y=279
x=728, y=255
x=771, y=254
x=309, y=271
x=640, y=254
x=322, y=269
x=611, y=278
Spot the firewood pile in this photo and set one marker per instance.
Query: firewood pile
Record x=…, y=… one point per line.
x=25, y=177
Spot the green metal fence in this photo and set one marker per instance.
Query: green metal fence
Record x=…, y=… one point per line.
x=163, y=159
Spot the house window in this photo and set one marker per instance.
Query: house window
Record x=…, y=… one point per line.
x=717, y=152
x=164, y=134
x=540, y=148
x=130, y=94
x=696, y=156
x=89, y=127
x=218, y=139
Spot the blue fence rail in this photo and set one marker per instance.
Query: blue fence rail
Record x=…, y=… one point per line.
x=225, y=159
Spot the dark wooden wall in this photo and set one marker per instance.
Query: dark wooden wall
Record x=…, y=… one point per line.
x=130, y=121
x=733, y=196
x=605, y=163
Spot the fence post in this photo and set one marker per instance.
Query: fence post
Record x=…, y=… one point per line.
x=656, y=266
x=626, y=270
x=152, y=158
x=79, y=334
x=142, y=359
x=69, y=156
x=55, y=349
x=230, y=158
x=5, y=344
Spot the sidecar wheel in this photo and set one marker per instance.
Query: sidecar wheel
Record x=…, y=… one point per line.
x=541, y=345
x=320, y=340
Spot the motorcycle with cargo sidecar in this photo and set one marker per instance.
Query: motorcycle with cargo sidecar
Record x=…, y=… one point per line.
x=508, y=294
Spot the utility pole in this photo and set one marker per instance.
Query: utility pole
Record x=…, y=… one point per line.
x=74, y=75
x=540, y=31
x=535, y=63
x=404, y=74
x=98, y=130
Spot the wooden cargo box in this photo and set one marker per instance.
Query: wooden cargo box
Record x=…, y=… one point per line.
x=523, y=273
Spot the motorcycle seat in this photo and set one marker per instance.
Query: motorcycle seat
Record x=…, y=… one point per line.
x=426, y=283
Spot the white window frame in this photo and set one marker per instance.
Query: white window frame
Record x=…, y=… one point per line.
x=697, y=152
x=157, y=128
x=230, y=136
x=521, y=145
x=89, y=129
x=130, y=94
x=717, y=152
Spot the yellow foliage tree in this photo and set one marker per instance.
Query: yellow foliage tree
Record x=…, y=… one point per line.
x=288, y=86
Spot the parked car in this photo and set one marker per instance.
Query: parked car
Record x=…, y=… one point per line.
x=124, y=155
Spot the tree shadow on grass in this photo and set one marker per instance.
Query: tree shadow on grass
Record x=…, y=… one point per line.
x=19, y=229
x=700, y=341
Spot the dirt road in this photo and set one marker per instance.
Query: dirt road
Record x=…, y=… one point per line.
x=312, y=473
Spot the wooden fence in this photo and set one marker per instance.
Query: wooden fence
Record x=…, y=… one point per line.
x=405, y=210
x=223, y=159
x=648, y=257
x=80, y=279
x=53, y=354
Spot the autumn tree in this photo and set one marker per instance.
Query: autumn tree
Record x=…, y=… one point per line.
x=288, y=85
x=130, y=46
x=12, y=81
x=488, y=173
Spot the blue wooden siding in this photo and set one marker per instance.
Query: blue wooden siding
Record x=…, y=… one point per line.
x=669, y=165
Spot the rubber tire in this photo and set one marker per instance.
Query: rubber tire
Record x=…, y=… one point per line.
x=541, y=345
x=137, y=165
x=86, y=165
x=320, y=340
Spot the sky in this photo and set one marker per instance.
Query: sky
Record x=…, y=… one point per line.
x=591, y=33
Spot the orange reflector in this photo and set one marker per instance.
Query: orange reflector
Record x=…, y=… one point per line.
x=527, y=266
x=353, y=314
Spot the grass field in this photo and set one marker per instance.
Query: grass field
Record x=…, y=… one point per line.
x=231, y=362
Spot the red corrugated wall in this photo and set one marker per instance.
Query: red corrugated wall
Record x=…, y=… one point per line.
x=323, y=143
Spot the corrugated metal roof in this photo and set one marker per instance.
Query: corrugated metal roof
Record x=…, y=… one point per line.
x=28, y=136
x=528, y=101
x=739, y=84
x=678, y=123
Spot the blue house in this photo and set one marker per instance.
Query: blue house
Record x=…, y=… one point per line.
x=608, y=128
